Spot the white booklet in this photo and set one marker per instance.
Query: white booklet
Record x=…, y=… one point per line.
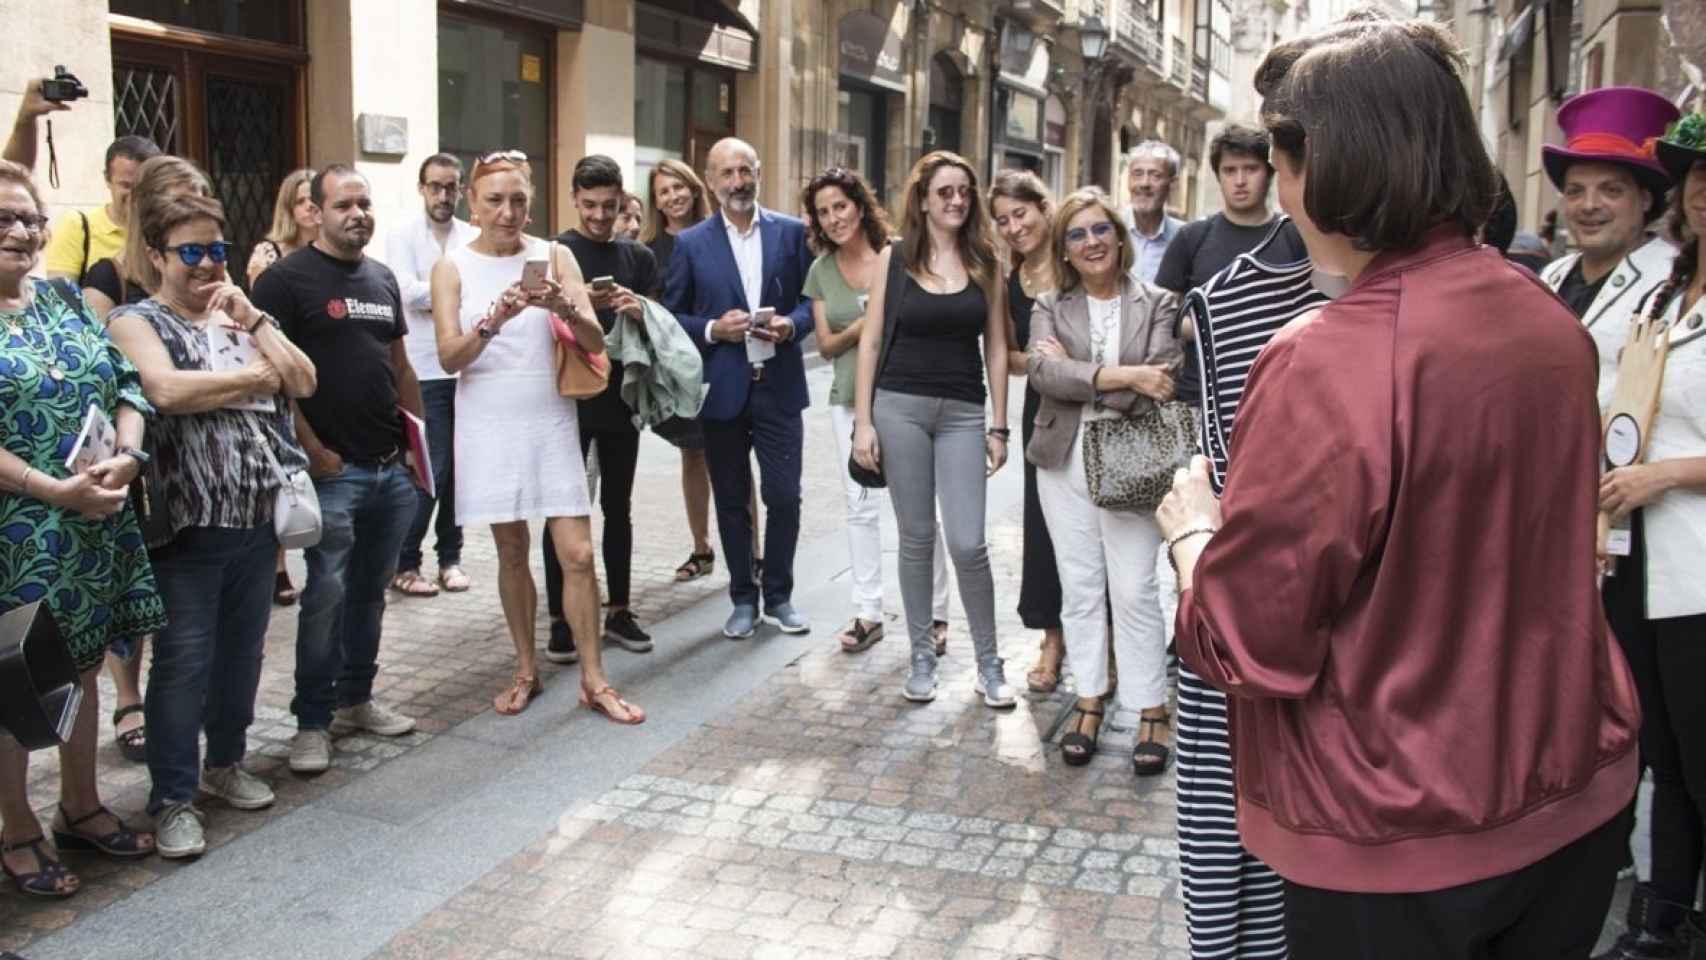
x=97, y=441
x=231, y=348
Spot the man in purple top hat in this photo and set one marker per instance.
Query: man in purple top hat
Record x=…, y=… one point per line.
x=1614, y=188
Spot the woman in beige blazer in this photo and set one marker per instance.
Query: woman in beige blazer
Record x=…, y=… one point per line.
x=1102, y=346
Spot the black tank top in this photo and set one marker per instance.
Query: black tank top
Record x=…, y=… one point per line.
x=936, y=350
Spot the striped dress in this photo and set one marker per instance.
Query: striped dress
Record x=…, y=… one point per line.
x=1234, y=904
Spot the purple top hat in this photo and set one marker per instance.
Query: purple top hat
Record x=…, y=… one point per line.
x=1613, y=125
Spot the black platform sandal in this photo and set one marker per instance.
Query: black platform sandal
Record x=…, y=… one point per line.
x=132, y=743
x=1150, y=758
x=1076, y=748
x=45, y=882
x=697, y=565
x=121, y=844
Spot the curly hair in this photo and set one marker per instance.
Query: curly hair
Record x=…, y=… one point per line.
x=873, y=220
x=1687, y=261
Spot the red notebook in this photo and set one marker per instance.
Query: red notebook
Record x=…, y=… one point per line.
x=420, y=457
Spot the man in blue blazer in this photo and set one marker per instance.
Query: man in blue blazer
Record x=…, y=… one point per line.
x=723, y=271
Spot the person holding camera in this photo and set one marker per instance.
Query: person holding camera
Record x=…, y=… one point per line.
x=82, y=238
x=68, y=541
x=41, y=97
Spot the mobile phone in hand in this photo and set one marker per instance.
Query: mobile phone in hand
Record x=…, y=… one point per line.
x=533, y=274
x=762, y=317
x=603, y=284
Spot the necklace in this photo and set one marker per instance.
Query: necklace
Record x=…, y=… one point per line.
x=15, y=327
x=1102, y=324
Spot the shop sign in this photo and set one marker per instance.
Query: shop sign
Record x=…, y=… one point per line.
x=870, y=50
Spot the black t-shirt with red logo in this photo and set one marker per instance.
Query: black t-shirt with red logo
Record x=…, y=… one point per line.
x=344, y=315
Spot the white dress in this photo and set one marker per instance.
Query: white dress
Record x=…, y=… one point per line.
x=518, y=454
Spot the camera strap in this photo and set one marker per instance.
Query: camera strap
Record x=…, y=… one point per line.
x=52, y=159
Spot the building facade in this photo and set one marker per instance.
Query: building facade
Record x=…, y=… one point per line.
x=251, y=91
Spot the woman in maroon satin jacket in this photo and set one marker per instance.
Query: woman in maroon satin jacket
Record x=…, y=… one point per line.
x=1432, y=728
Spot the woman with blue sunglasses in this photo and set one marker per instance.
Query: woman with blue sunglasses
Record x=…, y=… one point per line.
x=214, y=473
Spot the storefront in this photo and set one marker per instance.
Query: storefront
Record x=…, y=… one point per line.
x=1016, y=133
x=871, y=90
x=947, y=104
x=684, y=84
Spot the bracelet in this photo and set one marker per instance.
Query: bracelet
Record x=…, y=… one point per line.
x=24, y=480
x=1193, y=532
x=1001, y=432
x=484, y=329
x=262, y=318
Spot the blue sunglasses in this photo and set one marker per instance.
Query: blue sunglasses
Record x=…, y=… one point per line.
x=191, y=253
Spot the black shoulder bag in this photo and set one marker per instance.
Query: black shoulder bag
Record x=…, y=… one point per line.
x=893, y=292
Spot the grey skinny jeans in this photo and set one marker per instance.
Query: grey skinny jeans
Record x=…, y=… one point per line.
x=927, y=445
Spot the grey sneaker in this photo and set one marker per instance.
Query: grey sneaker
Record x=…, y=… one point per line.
x=920, y=685
x=372, y=718
x=237, y=787
x=784, y=615
x=311, y=751
x=992, y=685
x=178, y=833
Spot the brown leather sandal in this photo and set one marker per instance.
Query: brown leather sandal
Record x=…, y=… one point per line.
x=633, y=715
x=520, y=693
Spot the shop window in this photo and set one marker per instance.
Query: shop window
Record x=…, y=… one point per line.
x=269, y=20
x=494, y=93
x=946, y=96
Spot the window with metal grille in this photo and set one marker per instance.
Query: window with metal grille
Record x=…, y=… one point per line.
x=147, y=103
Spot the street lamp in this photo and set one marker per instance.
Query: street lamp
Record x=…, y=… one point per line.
x=1092, y=38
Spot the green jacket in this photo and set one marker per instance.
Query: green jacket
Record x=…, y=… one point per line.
x=662, y=373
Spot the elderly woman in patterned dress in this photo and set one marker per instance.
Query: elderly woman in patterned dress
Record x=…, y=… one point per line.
x=66, y=538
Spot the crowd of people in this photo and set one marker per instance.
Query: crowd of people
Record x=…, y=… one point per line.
x=1431, y=627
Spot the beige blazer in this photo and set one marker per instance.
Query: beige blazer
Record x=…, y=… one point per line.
x=1067, y=384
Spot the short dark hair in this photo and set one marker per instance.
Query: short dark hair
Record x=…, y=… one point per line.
x=1239, y=139
x=596, y=170
x=872, y=218
x=317, y=186
x=130, y=147
x=441, y=160
x=1375, y=111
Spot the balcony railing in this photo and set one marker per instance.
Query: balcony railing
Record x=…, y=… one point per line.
x=1199, y=78
x=1181, y=72
x=1141, y=32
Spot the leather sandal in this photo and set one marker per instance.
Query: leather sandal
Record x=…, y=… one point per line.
x=939, y=636
x=858, y=638
x=132, y=743
x=697, y=565
x=283, y=591
x=592, y=702
x=1076, y=748
x=1044, y=678
x=121, y=844
x=520, y=693
x=52, y=881
x=1150, y=757
x=453, y=579
x=410, y=583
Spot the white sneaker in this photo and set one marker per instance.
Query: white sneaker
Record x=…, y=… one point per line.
x=372, y=718
x=237, y=787
x=311, y=751
x=178, y=833
x=993, y=687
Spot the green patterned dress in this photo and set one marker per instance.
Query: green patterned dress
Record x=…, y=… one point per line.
x=55, y=360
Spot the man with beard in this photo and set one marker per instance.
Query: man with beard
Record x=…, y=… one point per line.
x=725, y=270
x=1151, y=168
x=1239, y=156
x=1613, y=189
x=345, y=311
x=410, y=252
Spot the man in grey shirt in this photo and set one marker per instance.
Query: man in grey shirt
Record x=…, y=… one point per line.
x=1151, y=168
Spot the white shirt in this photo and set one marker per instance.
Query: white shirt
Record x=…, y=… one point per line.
x=1676, y=522
x=748, y=249
x=1104, y=344
x=411, y=251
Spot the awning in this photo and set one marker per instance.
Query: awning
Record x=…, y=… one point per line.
x=1519, y=35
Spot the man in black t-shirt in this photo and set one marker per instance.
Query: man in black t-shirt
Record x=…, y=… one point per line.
x=605, y=420
x=1203, y=248
x=345, y=312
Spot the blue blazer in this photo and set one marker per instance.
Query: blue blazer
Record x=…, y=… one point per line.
x=703, y=283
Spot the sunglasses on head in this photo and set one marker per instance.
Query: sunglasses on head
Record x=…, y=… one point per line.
x=499, y=156
x=192, y=253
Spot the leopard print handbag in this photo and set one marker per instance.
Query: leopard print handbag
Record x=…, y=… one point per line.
x=1129, y=462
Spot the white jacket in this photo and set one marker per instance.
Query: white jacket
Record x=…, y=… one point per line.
x=1609, y=317
x=1675, y=523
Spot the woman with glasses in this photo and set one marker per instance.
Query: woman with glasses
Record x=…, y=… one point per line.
x=66, y=539
x=849, y=226
x=518, y=439
x=216, y=471
x=108, y=284
x=919, y=404
x=1102, y=347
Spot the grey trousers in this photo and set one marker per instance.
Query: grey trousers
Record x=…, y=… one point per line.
x=932, y=452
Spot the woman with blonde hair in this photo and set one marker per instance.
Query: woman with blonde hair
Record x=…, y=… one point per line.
x=919, y=403
x=521, y=437
x=295, y=224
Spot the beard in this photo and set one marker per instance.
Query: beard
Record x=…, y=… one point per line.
x=740, y=200
x=441, y=212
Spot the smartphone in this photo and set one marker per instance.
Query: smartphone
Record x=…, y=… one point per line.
x=603, y=284
x=533, y=274
x=761, y=319
x=864, y=302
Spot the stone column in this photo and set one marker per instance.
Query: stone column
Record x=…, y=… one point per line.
x=73, y=33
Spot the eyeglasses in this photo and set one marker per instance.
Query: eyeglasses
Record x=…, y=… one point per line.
x=32, y=222
x=191, y=253
x=497, y=156
x=1078, y=236
x=949, y=193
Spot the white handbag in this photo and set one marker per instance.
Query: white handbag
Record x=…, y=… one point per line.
x=296, y=511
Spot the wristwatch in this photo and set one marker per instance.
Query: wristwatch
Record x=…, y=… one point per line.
x=139, y=456
x=263, y=317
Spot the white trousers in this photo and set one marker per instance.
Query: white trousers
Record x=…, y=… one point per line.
x=865, y=533
x=1105, y=554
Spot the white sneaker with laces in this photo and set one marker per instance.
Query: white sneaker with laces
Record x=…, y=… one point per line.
x=311, y=751
x=178, y=832
x=372, y=718
x=237, y=787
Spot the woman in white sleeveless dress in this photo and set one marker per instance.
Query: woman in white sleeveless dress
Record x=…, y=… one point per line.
x=516, y=439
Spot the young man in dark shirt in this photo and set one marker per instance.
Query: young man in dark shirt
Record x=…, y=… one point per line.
x=1203, y=248
x=605, y=420
x=344, y=310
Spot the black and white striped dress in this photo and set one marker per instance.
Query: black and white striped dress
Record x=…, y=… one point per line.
x=1234, y=904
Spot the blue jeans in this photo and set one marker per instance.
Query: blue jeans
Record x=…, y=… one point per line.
x=365, y=512
x=438, y=397
x=217, y=588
